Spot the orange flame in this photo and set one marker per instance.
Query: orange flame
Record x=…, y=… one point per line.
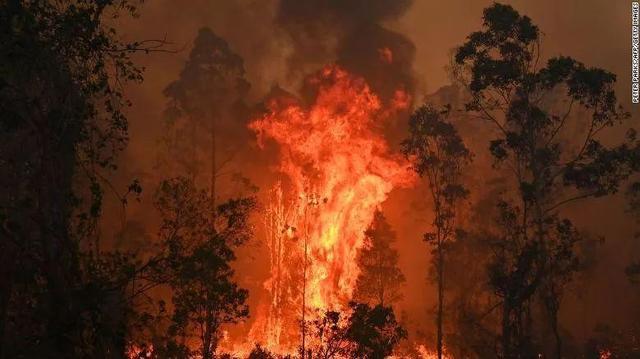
x=424, y=353
x=338, y=169
x=605, y=354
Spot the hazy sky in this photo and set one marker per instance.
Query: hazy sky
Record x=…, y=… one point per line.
x=596, y=32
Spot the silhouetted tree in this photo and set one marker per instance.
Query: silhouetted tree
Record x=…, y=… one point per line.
x=633, y=197
x=548, y=119
x=438, y=153
x=380, y=278
x=205, y=99
x=373, y=330
x=199, y=249
x=471, y=305
x=329, y=333
x=361, y=331
x=61, y=126
x=261, y=353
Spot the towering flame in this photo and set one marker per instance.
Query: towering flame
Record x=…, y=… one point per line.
x=337, y=169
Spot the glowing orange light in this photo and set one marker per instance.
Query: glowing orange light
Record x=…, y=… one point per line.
x=338, y=169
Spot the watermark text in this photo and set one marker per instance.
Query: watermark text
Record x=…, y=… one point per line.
x=635, y=52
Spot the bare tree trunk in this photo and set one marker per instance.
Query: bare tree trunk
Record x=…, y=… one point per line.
x=207, y=352
x=380, y=280
x=440, y=299
x=213, y=162
x=506, y=329
x=304, y=300
x=59, y=251
x=9, y=255
x=556, y=333
x=551, y=302
x=192, y=168
x=304, y=284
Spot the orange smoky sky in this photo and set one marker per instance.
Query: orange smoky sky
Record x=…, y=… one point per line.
x=596, y=32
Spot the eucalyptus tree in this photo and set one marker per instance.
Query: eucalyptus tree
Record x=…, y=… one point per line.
x=205, y=100
x=549, y=118
x=438, y=153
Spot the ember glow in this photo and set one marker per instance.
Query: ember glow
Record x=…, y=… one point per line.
x=336, y=169
x=424, y=353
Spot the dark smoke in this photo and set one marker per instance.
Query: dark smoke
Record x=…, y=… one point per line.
x=352, y=34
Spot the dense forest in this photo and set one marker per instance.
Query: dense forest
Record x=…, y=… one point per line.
x=284, y=184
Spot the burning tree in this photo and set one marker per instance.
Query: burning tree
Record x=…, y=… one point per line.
x=548, y=119
x=380, y=278
x=438, y=153
x=278, y=229
x=333, y=154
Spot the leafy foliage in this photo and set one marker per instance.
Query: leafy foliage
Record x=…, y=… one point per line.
x=62, y=70
x=438, y=153
x=329, y=331
x=366, y=332
x=380, y=278
x=199, y=249
x=374, y=331
x=206, y=99
x=536, y=111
